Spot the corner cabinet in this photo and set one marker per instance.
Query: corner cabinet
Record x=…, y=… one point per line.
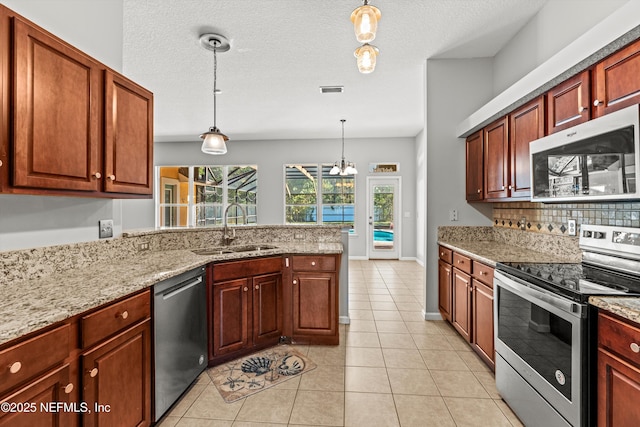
x=70, y=125
x=618, y=372
x=314, y=281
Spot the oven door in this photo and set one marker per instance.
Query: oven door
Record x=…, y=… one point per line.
x=540, y=336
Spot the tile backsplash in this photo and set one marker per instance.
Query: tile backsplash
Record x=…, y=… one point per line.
x=552, y=218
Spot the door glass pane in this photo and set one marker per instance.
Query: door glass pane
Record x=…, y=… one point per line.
x=301, y=194
x=383, y=211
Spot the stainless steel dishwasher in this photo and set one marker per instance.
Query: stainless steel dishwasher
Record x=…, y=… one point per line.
x=180, y=336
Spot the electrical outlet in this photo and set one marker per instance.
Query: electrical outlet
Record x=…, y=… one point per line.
x=298, y=235
x=105, y=228
x=143, y=246
x=571, y=227
x=453, y=215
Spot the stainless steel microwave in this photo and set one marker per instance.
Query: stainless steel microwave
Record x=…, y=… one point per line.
x=596, y=160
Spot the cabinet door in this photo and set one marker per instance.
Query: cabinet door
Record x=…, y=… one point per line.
x=47, y=390
x=315, y=304
x=267, y=309
x=117, y=379
x=483, y=321
x=461, y=313
x=475, y=165
x=617, y=81
x=57, y=125
x=525, y=125
x=496, y=160
x=568, y=103
x=618, y=391
x=444, y=289
x=128, y=147
x=230, y=316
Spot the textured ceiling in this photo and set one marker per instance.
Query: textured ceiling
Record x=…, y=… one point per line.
x=283, y=50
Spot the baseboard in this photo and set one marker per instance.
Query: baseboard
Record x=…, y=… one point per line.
x=358, y=258
x=344, y=320
x=409, y=258
x=431, y=316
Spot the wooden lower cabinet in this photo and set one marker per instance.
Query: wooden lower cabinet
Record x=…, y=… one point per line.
x=618, y=372
x=461, y=313
x=245, y=307
x=116, y=378
x=483, y=322
x=445, y=290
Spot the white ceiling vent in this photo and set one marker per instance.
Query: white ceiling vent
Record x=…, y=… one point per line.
x=331, y=89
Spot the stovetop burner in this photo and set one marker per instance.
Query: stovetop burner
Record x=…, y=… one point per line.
x=575, y=281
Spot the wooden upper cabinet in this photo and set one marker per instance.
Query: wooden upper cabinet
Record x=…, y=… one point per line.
x=496, y=159
x=57, y=126
x=526, y=124
x=475, y=173
x=617, y=81
x=128, y=153
x=568, y=103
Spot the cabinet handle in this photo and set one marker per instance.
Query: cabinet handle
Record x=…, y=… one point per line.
x=313, y=263
x=441, y=253
x=112, y=177
x=510, y=187
x=98, y=175
x=93, y=372
x=15, y=367
x=635, y=347
x=295, y=282
x=460, y=261
x=479, y=190
x=124, y=314
x=503, y=187
x=597, y=102
x=582, y=109
x=0, y=162
x=245, y=289
x=482, y=273
x=257, y=287
x=68, y=388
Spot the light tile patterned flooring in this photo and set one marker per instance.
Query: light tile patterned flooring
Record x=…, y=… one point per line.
x=392, y=368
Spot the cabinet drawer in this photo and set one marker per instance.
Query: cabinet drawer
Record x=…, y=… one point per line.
x=115, y=317
x=445, y=254
x=619, y=337
x=483, y=273
x=31, y=357
x=240, y=269
x=314, y=263
x=462, y=263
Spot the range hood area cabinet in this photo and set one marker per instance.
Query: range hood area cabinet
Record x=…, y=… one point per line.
x=607, y=86
x=69, y=125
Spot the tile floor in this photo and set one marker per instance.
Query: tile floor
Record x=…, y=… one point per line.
x=392, y=368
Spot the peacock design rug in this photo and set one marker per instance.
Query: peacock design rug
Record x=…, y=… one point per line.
x=259, y=371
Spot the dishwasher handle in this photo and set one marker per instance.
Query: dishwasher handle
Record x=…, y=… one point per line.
x=181, y=287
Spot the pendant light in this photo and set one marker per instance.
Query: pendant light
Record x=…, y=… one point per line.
x=342, y=167
x=214, y=140
x=366, y=58
x=365, y=22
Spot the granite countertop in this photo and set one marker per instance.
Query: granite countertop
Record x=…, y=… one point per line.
x=625, y=307
x=28, y=305
x=491, y=252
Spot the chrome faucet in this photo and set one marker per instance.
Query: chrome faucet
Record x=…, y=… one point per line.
x=226, y=236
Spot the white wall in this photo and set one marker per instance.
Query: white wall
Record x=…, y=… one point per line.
x=94, y=26
x=455, y=88
x=271, y=156
x=556, y=25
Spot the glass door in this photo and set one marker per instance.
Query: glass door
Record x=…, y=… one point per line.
x=383, y=234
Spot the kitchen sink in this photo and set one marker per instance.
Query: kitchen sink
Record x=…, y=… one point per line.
x=221, y=250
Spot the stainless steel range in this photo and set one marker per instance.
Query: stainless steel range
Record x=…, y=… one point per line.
x=545, y=329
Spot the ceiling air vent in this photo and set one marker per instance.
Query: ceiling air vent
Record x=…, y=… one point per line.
x=331, y=89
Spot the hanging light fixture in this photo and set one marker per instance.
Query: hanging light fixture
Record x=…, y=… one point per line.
x=365, y=22
x=366, y=58
x=214, y=141
x=343, y=167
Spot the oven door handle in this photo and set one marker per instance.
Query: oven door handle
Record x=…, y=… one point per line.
x=519, y=287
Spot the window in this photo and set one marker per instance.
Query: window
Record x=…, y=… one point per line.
x=197, y=196
x=306, y=202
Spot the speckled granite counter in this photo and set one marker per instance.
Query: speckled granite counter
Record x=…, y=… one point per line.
x=626, y=307
x=29, y=304
x=491, y=245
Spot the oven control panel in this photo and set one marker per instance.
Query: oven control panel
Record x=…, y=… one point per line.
x=623, y=241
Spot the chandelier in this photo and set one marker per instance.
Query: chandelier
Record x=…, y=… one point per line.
x=343, y=167
x=214, y=141
x=365, y=24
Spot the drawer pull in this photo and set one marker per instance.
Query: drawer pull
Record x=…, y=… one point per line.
x=245, y=289
x=460, y=261
x=635, y=347
x=313, y=263
x=257, y=287
x=441, y=253
x=482, y=273
x=295, y=282
x=15, y=367
x=93, y=372
x=68, y=388
x=124, y=314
